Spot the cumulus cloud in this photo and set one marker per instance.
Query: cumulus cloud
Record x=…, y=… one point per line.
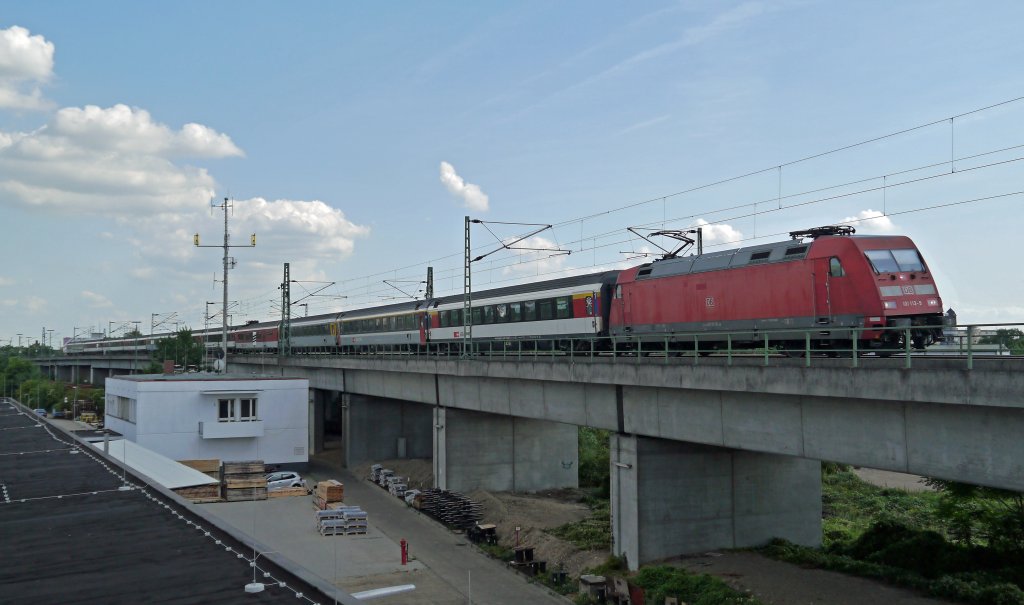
x=471, y=195
x=536, y=256
x=718, y=233
x=95, y=300
x=6, y=281
x=870, y=222
x=325, y=231
x=115, y=161
x=26, y=61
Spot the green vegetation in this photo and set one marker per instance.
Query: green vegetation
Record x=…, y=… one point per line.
x=1012, y=339
x=961, y=542
x=182, y=348
x=694, y=589
x=592, y=533
x=21, y=379
x=594, y=460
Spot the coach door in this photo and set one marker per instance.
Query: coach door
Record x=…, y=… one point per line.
x=822, y=301
x=423, y=319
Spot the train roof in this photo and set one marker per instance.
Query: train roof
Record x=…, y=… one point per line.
x=737, y=257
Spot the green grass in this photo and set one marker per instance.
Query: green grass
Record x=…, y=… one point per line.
x=901, y=538
x=592, y=533
x=850, y=506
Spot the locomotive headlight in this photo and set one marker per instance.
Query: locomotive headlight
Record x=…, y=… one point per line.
x=890, y=304
x=933, y=302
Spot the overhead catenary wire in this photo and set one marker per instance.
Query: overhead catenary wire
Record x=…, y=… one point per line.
x=365, y=293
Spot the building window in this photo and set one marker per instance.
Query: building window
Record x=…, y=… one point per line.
x=246, y=409
x=226, y=410
x=121, y=407
x=237, y=410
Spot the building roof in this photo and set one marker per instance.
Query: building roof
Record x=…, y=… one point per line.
x=70, y=535
x=200, y=377
x=168, y=473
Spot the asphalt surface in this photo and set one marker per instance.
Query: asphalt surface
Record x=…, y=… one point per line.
x=446, y=568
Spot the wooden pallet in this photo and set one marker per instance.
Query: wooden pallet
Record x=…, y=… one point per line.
x=246, y=480
x=241, y=495
x=200, y=492
x=203, y=466
x=242, y=467
x=331, y=490
x=287, y=492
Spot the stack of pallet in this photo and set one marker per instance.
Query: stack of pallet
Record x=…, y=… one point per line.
x=397, y=486
x=327, y=493
x=243, y=480
x=451, y=508
x=341, y=520
x=199, y=494
x=209, y=467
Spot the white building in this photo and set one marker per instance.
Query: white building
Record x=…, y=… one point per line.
x=204, y=416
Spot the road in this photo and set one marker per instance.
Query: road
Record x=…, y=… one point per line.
x=446, y=568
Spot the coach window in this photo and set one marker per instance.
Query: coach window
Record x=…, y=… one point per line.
x=562, y=308
x=478, y=316
x=489, y=314
x=835, y=268
x=445, y=318
x=529, y=310
x=546, y=309
x=456, y=317
x=501, y=313
x=515, y=311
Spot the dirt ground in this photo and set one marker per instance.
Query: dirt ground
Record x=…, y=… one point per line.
x=531, y=513
x=778, y=583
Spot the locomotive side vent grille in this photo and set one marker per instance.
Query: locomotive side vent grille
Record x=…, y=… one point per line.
x=795, y=251
x=760, y=257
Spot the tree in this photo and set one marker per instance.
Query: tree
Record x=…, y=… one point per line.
x=1012, y=339
x=975, y=513
x=183, y=348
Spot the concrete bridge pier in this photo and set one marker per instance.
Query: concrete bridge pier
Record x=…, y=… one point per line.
x=477, y=450
x=670, y=498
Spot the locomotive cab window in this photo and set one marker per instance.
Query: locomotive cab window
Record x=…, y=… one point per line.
x=882, y=261
x=835, y=268
x=908, y=260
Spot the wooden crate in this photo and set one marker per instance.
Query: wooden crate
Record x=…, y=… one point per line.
x=203, y=466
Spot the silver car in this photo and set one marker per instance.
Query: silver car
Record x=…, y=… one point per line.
x=282, y=479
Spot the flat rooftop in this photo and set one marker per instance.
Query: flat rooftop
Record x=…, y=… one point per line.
x=199, y=377
x=70, y=535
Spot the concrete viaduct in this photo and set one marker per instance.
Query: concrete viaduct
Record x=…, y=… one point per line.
x=720, y=454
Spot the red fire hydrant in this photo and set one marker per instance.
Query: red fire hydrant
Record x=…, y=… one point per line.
x=405, y=551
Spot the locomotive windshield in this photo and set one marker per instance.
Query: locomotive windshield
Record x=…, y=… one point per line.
x=894, y=261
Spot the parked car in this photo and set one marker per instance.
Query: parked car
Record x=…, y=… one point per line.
x=284, y=479
x=57, y=414
x=40, y=412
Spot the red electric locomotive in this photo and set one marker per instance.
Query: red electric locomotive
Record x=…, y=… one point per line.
x=839, y=285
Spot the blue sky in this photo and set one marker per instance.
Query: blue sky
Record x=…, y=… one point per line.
x=354, y=138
